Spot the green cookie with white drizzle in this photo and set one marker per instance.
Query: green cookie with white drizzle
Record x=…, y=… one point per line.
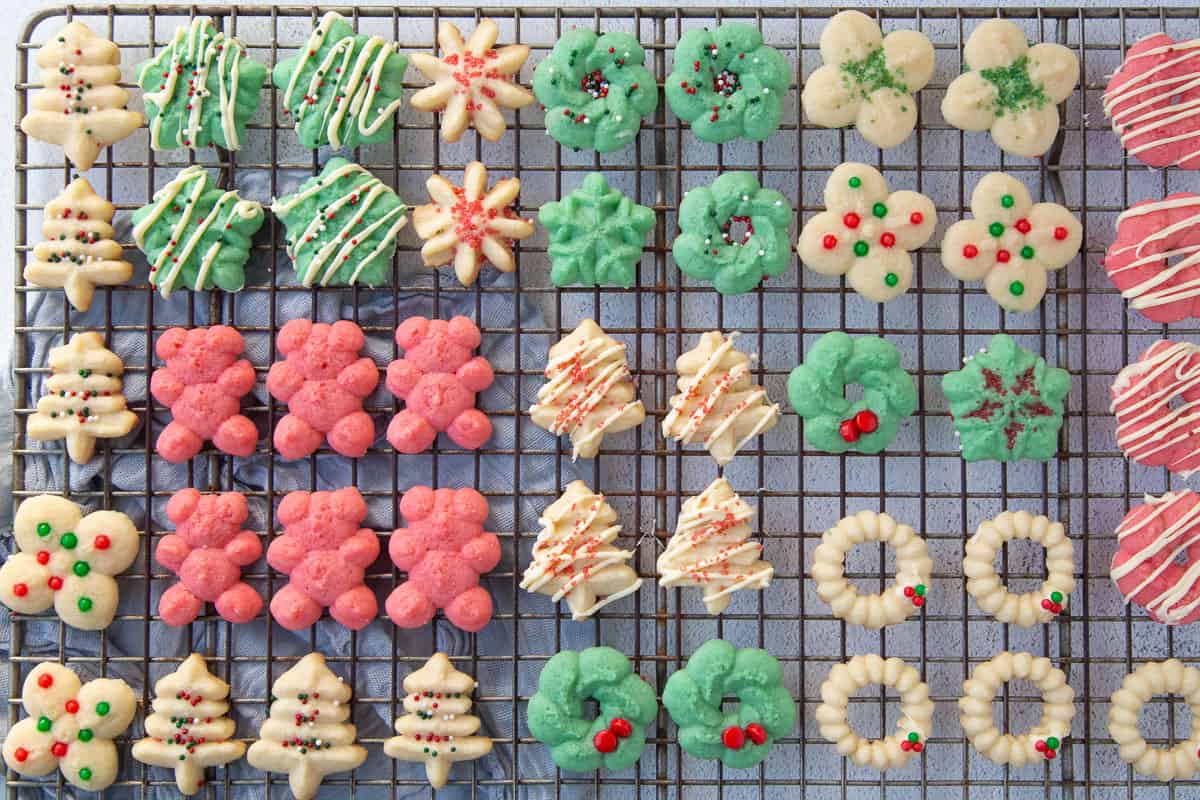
x=342, y=226
x=200, y=90
x=196, y=235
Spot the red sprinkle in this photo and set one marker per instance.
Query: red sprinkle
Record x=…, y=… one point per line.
x=866, y=421
x=1023, y=226
x=888, y=239
x=59, y=749
x=849, y=431
x=829, y=242
x=733, y=737
x=916, y=218
x=20, y=754
x=20, y=590
x=970, y=251
x=1003, y=256
x=757, y=733
x=1060, y=233
x=851, y=220
x=605, y=741
x=54, y=583
x=45, y=680
x=102, y=542
x=621, y=727
x=72, y=706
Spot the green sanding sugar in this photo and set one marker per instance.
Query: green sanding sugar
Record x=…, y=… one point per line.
x=1015, y=90
x=871, y=73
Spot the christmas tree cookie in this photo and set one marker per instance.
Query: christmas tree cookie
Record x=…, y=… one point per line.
x=201, y=89
x=196, y=235
x=189, y=730
x=342, y=226
x=81, y=107
x=83, y=401
x=438, y=728
x=306, y=733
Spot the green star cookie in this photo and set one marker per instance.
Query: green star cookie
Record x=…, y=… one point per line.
x=596, y=235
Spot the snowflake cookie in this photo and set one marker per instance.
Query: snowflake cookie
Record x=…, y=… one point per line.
x=472, y=80
x=868, y=79
x=82, y=105
x=595, y=89
x=70, y=726
x=470, y=225
x=727, y=83
x=201, y=89
x=596, y=235
x=1011, y=243
x=67, y=560
x=342, y=88
x=82, y=399
x=190, y=729
x=1011, y=88
x=733, y=233
x=1007, y=405
x=866, y=233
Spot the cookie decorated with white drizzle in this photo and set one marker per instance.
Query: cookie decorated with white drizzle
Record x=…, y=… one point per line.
x=195, y=235
x=1153, y=104
x=1154, y=260
x=201, y=89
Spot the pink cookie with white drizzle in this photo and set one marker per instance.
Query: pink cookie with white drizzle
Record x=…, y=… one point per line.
x=1153, y=101
x=1149, y=430
x=1155, y=259
x=1147, y=568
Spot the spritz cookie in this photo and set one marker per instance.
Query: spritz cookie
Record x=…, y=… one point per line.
x=1153, y=400
x=1153, y=103
x=1045, y=739
x=1153, y=258
x=1150, y=679
x=1031, y=608
x=1155, y=565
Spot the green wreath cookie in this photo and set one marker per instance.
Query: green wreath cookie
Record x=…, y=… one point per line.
x=741, y=737
x=596, y=235
x=733, y=233
x=615, y=738
x=595, y=90
x=1006, y=403
x=817, y=390
x=727, y=83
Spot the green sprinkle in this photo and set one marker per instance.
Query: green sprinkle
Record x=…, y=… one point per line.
x=1007, y=201
x=85, y=605
x=102, y=708
x=860, y=249
x=1052, y=742
x=920, y=590
x=69, y=540
x=914, y=737
x=85, y=774
x=44, y=724
x=879, y=210
x=1026, y=252
x=1015, y=91
x=85, y=734
x=855, y=182
x=1056, y=597
x=81, y=568
x=891, y=279
x=871, y=73
x=1016, y=288
x=43, y=529
x=996, y=228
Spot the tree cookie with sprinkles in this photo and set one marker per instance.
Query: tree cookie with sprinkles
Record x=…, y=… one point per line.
x=595, y=89
x=1147, y=567
x=1154, y=400
x=1155, y=259
x=1153, y=101
x=342, y=226
x=343, y=88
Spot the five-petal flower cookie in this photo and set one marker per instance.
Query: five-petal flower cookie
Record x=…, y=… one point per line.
x=1012, y=243
x=472, y=80
x=1011, y=88
x=868, y=79
x=866, y=233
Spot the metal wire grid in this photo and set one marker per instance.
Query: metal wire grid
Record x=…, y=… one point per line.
x=1088, y=487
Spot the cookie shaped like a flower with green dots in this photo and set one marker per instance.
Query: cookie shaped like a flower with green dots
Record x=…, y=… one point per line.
x=733, y=233
x=1007, y=404
x=727, y=83
x=596, y=235
x=595, y=89
x=866, y=232
x=1010, y=88
x=1011, y=244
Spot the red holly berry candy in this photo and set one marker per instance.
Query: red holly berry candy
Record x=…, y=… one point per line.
x=1040, y=745
x=20, y=754
x=1051, y=753
x=849, y=431
x=59, y=749
x=866, y=421
x=102, y=542
x=887, y=239
x=43, y=557
x=918, y=601
x=1003, y=256
x=733, y=737
x=54, y=583
x=906, y=745
x=20, y=589
x=757, y=733
x=916, y=218
x=72, y=706
x=917, y=747
x=1046, y=604
x=620, y=727
x=970, y=251
x=1060, y=233
x=1023, y=226
x=909, y=591
x=45, y=680
x=605, y=741
x=851, y=220
x=1055, y=607
x=829, y=242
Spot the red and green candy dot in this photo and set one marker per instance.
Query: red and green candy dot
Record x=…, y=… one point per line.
x=607, y=740
x=916, y=594
x=865, y=421
x=735, y=738
x=1048, y=747
x=1054, y=603
x=912, y=743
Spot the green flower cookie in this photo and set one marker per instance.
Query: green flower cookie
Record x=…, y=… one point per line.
x=342, y=226
x=615, y=738
x=596, y=235
x=196, y=235
x=742, y=736
x=1006, y=403
x=343, y=88
x=595, y=90
x=817, y=390
x=733, y=233
x=201, y=89
x=727, y=83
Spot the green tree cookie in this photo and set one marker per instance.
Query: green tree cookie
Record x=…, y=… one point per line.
x=201, y=89
x=196, y=234
x=342, y=226
x=741, y=737
x=817, y=390
x=733, y=233
x=343, y=88
x=596, y=235
x=595, y=90
x=1006, y=403
x=615, y=738
x=727, y=83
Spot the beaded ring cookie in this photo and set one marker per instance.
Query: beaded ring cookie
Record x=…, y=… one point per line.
x=868, y=79
x=741, y=736
x=867, y=233
x=727, y=83
x=615, y=738
x=817, y=391
x=1150, y=539
x=1153, y=259
x=1150, y=679
x=1150, y=430
x=1032, y=608
x=1011, y=88
x=1152, y=101
x=595, y=89
x=1046, y=738
x=908, y=592
x=912, y=729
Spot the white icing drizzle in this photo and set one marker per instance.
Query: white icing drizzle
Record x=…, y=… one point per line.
x=1147, y=426
x=1157, y=290
x=1174, y=540
x=1150, y=99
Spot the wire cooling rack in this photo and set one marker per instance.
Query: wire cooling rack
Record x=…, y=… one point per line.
x=1082, y=326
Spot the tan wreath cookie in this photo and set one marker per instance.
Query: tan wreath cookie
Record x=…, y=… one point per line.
x=1148, y=680
x=1041, y=742
x=983, y=584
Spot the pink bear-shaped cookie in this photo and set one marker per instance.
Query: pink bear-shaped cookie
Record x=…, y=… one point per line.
x=323, y=381
x=207, y=551
x=325, y=553
x=437, y=379
x=444, y=550
x=203, y=383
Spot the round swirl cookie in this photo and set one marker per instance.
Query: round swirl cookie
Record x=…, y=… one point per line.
x=1041, y=742
x=1153, y=259
x=1147, y=567
x=1043, y=604
x=1150, y=679
x=1154, y=400
x=1153, y=101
